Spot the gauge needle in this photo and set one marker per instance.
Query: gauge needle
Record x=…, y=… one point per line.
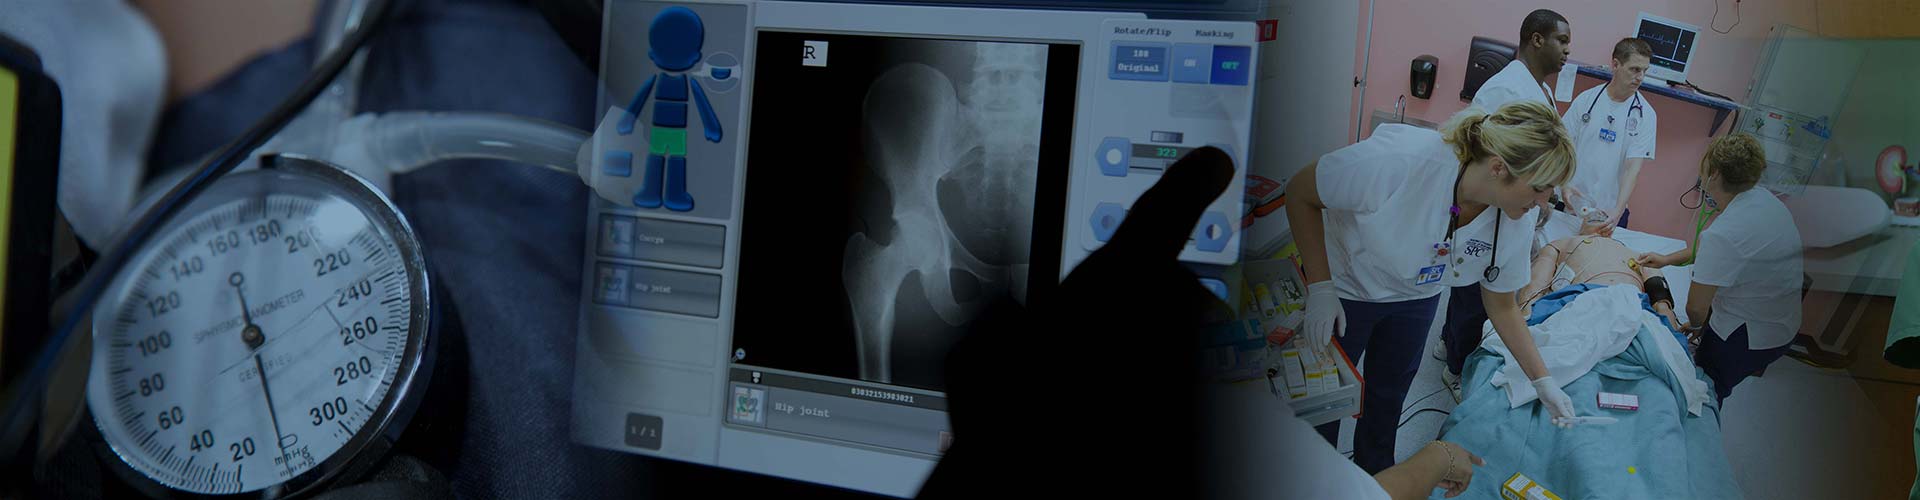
x=278, y=438
x=252, y=335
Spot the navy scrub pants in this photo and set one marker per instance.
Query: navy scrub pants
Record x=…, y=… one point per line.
x=1729, y=361
x=1466, y=316
x=1387, y=338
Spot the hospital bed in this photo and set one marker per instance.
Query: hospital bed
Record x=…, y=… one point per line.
x=1660, y=450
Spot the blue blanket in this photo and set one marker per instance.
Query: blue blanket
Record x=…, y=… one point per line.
x=1658, y=451
x=1552, y=302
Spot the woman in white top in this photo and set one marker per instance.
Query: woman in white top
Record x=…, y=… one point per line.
x=1387, y=223
x=1746, y=279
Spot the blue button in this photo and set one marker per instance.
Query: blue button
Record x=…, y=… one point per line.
x=1212, y=233
x=1219, y=288
x=725, y=72
x=1106, y=218
x=618, y=164
x=1144, y=61
x=1192, y=62
x=1231, y=64
x=1113, y=155
x=670, y=114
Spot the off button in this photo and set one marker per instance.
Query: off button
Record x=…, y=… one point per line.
x=1232, y=64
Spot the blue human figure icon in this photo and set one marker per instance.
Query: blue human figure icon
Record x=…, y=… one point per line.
x=676, y=35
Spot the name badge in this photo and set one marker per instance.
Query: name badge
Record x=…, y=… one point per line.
x=1608, y=135
x=1431, y=274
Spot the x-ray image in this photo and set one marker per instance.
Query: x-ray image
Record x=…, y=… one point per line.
x=891, y=197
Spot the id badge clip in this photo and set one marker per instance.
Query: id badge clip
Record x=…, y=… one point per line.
x=1438, y=264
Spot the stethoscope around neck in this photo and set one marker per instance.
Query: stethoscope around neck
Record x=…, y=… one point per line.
x=1453, y=222
x=1632, y=106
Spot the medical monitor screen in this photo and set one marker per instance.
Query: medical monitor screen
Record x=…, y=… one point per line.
x=895, y=188
x=814, y=202
x=1672, y=45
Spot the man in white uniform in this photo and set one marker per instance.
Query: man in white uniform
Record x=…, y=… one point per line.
x=1545, y=38
x=1613, y=129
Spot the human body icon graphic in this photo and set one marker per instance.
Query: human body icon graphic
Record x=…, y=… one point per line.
x=676, y=35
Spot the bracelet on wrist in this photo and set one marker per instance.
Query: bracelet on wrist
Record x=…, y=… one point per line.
x=1447, y=474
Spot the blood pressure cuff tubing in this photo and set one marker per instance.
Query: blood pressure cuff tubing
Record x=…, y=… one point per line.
x=1657, y=290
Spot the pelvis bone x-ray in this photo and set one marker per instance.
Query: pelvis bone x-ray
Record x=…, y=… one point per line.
x=959, y=169
x=929, y=150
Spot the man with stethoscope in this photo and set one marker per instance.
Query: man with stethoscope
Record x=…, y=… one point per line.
x=1386, y=224
x=1613, y=130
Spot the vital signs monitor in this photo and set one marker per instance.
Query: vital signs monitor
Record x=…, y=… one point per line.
x=885, y=170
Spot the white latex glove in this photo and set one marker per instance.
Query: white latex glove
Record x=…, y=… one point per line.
x=1557, y=402
x=111, y=65
x=1325, y=317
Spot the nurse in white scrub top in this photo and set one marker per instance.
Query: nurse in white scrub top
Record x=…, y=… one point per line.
x=1545, y=41
x=1613, y=129
x=1744, y=305
x=1387, y=223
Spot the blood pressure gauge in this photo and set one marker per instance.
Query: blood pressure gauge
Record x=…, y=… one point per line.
x=275, y=337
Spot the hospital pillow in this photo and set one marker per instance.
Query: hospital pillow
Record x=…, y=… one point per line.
x=1829, y=215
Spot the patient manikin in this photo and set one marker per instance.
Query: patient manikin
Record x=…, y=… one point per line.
x=1588, y=258
x=957, y=159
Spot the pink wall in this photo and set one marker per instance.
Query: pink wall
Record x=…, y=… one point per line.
x=1404, y=29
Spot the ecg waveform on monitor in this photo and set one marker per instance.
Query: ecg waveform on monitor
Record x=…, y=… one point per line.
x=1666, y=42
x=1656, y=38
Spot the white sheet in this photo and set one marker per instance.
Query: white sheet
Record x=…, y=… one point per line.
x=1597, y=325
x=1587, y=331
